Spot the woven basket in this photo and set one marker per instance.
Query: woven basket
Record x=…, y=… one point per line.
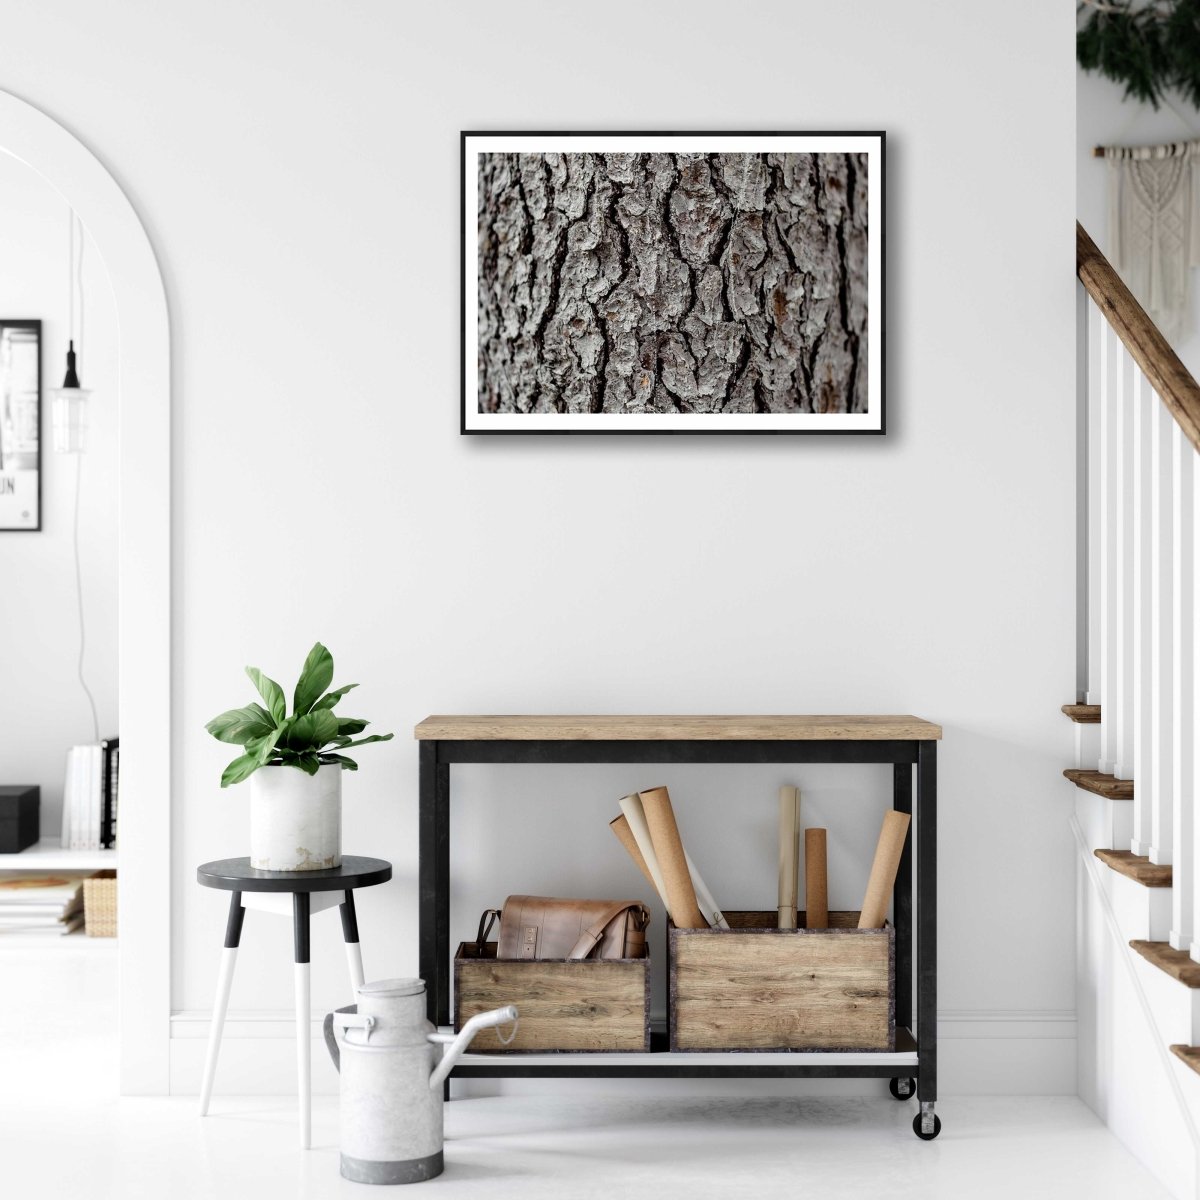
x=100, y=904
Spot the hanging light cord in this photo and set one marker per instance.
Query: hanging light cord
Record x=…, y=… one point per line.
x=79, y=282
x=87, y=691
x=71, y=219
x=75, y=273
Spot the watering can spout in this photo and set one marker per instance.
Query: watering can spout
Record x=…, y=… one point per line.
x=454, y=1051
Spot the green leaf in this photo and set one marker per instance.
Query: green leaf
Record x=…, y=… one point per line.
x=309, y=763
x=263, y=748
x=331, y=698
x=375, y=737
x=271, y=692
x=348, y=764
x=351, y=725
x=241, y=725
x=310, y=731
x=241, y=768
x=315, y=676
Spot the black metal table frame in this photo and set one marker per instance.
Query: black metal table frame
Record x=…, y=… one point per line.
x=437, y=757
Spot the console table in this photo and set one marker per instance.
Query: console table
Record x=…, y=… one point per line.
x=902, y=742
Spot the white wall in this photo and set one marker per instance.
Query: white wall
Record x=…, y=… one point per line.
x=297, y=167
x=43, y=710
x=1104, y=118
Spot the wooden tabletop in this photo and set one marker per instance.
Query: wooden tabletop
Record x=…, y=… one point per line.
x=857, y=728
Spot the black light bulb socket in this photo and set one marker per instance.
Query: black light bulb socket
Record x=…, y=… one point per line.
x=71, y=379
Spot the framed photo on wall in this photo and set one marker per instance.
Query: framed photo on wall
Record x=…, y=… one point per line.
x=673, y=282
x=20, y=425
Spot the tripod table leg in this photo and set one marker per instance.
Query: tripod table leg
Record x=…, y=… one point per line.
x=233, y=935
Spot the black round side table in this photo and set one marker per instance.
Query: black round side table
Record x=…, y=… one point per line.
x=310, y=891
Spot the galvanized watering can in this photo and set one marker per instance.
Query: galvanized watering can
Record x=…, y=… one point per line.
x=392, y=1067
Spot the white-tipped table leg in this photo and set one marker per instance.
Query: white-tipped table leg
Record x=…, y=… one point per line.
x=354, y=960
x=353, y=946
x=303, y=1018
x=233, y=933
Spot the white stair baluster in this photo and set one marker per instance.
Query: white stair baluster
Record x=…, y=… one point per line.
x=1126, y=408
x=1095, y=346
x=1145, y=402
x=1192, y=676
x=1109, y=522
x=1183, y=725
x=1160, y=780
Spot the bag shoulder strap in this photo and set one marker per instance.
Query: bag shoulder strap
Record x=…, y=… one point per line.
x=595, y=931
x=485, y=927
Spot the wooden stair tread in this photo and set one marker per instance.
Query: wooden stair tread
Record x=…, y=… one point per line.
x=1176, y=963
x=1136, y=867
x=1108, y=786
x=1083, y=714
x=1189, y=1055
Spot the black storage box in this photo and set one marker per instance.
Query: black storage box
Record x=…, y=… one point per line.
x=19, y=816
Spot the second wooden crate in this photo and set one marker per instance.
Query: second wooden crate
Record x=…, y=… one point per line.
x=756, y=987
x=575, y=1005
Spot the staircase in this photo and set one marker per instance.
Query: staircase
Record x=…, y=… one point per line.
x=1135, y=718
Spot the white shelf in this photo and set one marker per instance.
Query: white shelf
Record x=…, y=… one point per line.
x=61, y=941
x=48, y=855
x=800, y=1058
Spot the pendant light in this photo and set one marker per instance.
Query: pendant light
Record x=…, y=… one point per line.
x=70, y=408
x=70, y=402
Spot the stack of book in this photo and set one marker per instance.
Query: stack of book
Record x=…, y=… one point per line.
x=41, y=902
x=90, y=792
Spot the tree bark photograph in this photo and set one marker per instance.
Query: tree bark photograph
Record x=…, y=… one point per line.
x=727, y=290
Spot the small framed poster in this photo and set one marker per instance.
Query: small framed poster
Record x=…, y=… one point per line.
x=20, y=425
x=672, y=282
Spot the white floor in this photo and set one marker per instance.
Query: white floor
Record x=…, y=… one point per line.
x=526, y=1148
x=64, y=1136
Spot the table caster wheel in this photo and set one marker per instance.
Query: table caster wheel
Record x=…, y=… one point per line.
x=927, y=1137
x=902, y=1089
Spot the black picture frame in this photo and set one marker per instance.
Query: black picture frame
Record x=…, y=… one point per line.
x=473, y=421
x=21, y=430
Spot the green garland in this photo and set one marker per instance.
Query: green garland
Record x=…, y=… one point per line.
x=1150, y=48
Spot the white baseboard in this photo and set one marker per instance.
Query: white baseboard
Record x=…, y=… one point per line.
x=1017, y=1052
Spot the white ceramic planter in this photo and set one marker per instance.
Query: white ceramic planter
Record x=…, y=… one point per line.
x=296, y=819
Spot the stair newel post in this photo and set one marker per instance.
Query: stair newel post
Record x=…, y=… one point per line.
x=1183, y=724
x=1160, y=775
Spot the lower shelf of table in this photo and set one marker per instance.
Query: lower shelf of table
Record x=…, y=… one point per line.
x=663, y=1063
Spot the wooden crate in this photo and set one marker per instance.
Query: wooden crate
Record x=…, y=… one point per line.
x=756, y=987
x=593, y=1005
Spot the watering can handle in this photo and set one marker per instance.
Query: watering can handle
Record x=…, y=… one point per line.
x=343, y=1017
x=331, y=1042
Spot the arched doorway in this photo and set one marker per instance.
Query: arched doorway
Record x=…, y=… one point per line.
x=144, y=577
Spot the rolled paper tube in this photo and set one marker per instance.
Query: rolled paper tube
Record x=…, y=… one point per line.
x=789, y=853
x=672, y=862
x=883, y=870
x=816, y=880
x=704, y=898
x=632, y=824
x=620, y=826
x=635, y=818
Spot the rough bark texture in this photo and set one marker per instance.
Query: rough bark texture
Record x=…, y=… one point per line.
x=672, y=283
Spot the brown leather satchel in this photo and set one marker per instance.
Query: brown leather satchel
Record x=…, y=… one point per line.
x=542, y=927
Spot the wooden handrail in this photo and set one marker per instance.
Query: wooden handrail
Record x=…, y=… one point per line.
x=1173, y=382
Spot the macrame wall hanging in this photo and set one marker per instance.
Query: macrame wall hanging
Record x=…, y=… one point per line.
x=1154, y=225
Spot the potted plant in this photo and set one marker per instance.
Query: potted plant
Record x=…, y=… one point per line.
x=294, y=764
